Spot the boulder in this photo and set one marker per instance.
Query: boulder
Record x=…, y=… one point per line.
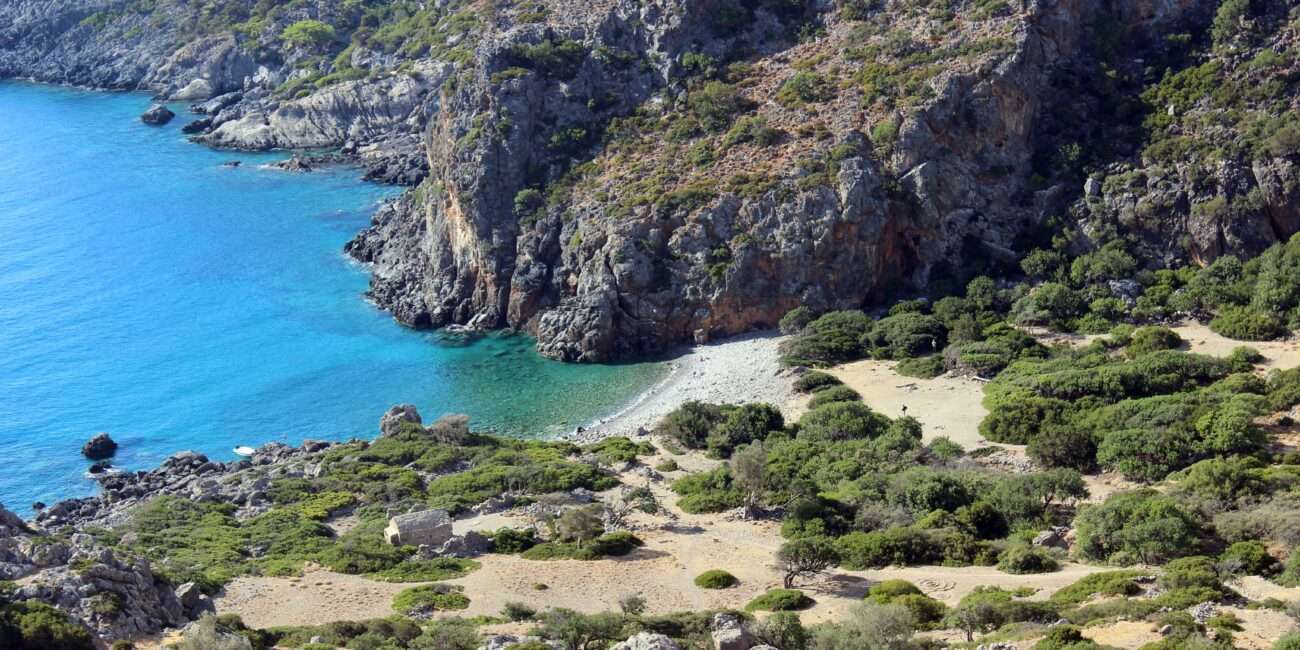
x=649, y=641
x=471, y=544
x=99, y=448
x=157, y=115
x=729, y=633
x=10, y=523
x=396, y=416
x=425, y=528
x=197, y=126
x=196, y=89
x=1054, y=537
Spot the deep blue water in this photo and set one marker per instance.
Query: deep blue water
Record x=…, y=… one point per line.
x=150, y=292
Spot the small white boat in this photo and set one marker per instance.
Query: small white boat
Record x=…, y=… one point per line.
x=245, y=451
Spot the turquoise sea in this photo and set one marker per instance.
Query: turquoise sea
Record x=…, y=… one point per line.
x=150, y=292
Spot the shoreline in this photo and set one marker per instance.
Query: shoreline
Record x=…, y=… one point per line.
x=735, y=370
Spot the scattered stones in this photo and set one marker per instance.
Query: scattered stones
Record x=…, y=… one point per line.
x=99, y=448
x=649, y=641
x=157, y=115
x=1204, y=611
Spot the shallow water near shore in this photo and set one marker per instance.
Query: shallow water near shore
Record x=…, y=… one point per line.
x=148, y=291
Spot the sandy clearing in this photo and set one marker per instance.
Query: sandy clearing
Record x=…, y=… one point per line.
x=1123, y=634
x=1277, y=354
x=1260, y=628
x=318, y=597
x=1200, y=339
x=741, y=369
x=946, y=405
x=1258, y=588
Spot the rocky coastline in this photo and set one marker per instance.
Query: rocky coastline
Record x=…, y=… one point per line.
x=82, y=575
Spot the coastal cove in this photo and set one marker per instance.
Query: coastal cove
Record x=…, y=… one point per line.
x=150, y=291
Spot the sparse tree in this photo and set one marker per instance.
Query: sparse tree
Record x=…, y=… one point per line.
x=806, y=556
x=868, y=627
x=581, y=524
x=748, y=471
x=632, y=604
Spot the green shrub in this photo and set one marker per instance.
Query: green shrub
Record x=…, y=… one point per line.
x=32, y=625
x=795, y=320
x=308, y=33
x=1138, y=526
x=618, y=449
x=1106, y=583
x=417, y=570
x=691, y=423
x=610, y=544
x=1065, y=637
x=842, y=421
x=780, y=600
x=1248, y=558
x=1026, y=559
x=897, y=545
x=714, y=104
x=802, y=88
x=905, y=335
x=710, y=491
x=1064, y=446
x=715, y=579
x=833, y=338
x=667, y=465
x=814, y=381
x=430, y=598
x=513, y=540
x=832, y=395
x=1152, y=338
x=1248, y=324
x=1288, y=641
x=557, y=59
x=516, y=611
x=921, y=367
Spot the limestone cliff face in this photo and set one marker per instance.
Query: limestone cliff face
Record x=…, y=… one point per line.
x=597, y=276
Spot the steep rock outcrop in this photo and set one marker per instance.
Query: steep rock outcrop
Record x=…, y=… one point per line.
x=595, y=286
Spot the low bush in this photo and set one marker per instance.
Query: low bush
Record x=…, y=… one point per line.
x=610, y=544
x=513, y=540
x=1022, y=558
x=814, y=381
x=780, y=600
x=1248, y=324
x=1107, y=583
x=31, y=625
x=715, y=579
x=832, y=395
x=1248, y=558
x=425, y=599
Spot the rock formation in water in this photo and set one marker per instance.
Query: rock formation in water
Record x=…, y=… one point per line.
x=618, y=177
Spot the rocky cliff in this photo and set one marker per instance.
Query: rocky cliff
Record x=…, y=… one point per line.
x=618, y=176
